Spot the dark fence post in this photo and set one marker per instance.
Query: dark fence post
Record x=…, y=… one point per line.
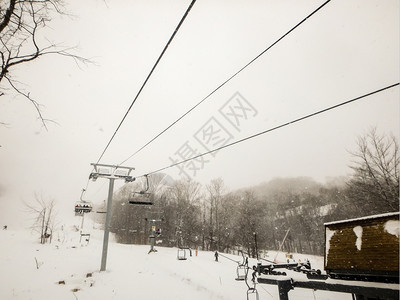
x=284, y=286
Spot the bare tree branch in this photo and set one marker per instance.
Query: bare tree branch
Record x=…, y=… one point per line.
x=20, y=23
x=7, y=15
x=27, y=96
x=375, y=181
x=44, y=215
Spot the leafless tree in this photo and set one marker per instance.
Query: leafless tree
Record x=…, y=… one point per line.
x=44, y=217
x=375, y=181
x=20, y=24
x=185, y=197
x=250, y=215
x=215, y=192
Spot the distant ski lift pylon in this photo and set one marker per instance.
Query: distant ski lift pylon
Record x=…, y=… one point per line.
x=142, y=197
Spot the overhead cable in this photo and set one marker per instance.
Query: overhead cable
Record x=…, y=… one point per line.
x=276, y=127
x=227, y=80
x=147, y=78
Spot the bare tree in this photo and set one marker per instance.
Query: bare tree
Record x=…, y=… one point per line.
x=375, y=181
x=249, y=219
x=44, y=216
x=185, y=199
x=215, y=195
x=20, y=24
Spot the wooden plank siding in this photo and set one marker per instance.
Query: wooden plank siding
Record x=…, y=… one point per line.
x=377, y=251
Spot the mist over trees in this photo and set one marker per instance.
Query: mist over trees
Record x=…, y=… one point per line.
x=210, y=218
x=257, y=218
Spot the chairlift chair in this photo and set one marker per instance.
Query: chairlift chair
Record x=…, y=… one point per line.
x=144, y=196
x=241, y=272
x=242, y=268
x=181, y=254
x=143, y=199
x=252, y=294
x=86, y=237
x=82, y=207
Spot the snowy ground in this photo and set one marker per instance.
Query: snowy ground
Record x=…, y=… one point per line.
x=67, y=269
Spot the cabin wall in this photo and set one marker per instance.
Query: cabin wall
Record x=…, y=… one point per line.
x=363, y=246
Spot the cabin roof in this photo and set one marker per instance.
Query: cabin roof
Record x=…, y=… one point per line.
x=363, y=218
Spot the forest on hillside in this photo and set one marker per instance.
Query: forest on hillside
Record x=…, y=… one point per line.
x=186, y=214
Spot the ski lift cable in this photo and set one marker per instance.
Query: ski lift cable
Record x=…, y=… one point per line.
x=266, y=291
x=267, y=260
x=275, y=128
x=227, y=80
x=238, y=262
x=144, y=83
x=147, y=78
x=97, y=191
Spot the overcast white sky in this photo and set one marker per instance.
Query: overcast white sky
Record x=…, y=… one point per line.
x=347, y=49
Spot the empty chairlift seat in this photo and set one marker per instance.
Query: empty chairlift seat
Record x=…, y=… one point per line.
x=181, y=254
x=241, y=272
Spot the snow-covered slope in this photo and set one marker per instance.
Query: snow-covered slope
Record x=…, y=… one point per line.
x=67, y=269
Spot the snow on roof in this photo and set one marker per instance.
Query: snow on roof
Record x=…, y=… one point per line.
x=364, y=218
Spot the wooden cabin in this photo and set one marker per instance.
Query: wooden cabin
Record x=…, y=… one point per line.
x=363, y=249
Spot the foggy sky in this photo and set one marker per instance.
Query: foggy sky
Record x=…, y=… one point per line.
x=347, y=49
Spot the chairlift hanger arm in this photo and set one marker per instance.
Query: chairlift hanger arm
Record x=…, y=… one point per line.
x=145, y=195
x=144, y=192
x=83, y=190
x=81, y=198
x=147, y=184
